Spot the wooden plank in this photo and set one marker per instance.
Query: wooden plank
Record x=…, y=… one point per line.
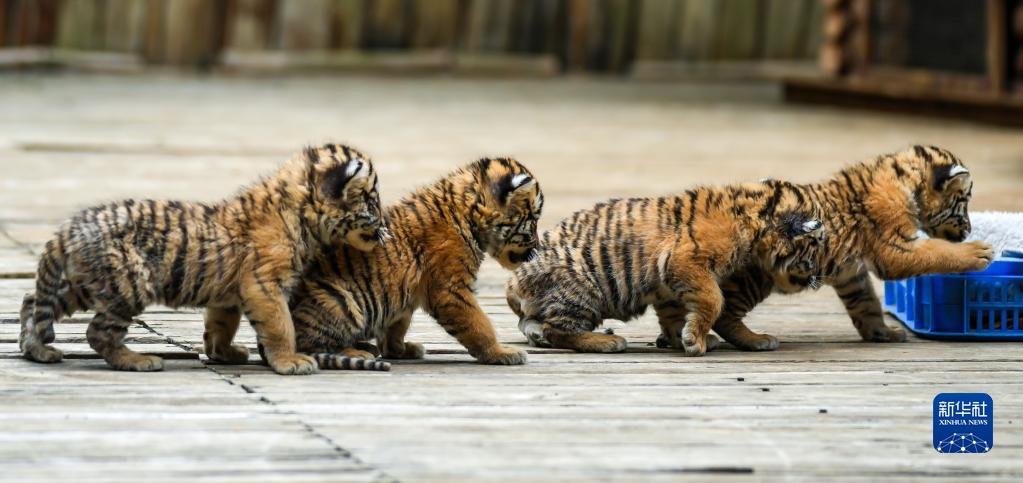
x=488, y=28
x=739, y=30
x=583, y=17
x=154, y=40
x=81, y=25
x=347, y=22
x=997, y=47
x=250, y=24
x=123, y=25
x=387, y=24
x=192, y=32
x=659, y=21
x=786, y=27
x=696, y=37
x=305, y=24
x=434, y=23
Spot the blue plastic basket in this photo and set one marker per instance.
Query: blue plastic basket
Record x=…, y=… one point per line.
x=984, y=305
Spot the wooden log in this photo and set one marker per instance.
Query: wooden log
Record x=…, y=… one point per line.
x=488, y=26
x=786, y=24
x=250, y=24
x=122, y=25
x=739, y=30
x=696, y=38
x=621, y=21
x=193, y=32
x=997, y=45
x=582, y=18
x=346, y=24
x=656, y=36
x=387, y=24
x=814, y=32
x=81, y=25
x=434, y=23
x=305, y=24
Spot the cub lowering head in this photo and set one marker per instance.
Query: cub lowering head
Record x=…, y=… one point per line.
x=343, y=185
x=794, y=247
x=945, y=197
x=513, y=203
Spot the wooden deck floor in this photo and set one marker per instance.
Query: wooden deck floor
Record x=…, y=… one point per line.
x=824, y=406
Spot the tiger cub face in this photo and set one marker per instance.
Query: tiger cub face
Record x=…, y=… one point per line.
x=792, y=250
x=510, y=235
x=348, y=200
x=945, y=200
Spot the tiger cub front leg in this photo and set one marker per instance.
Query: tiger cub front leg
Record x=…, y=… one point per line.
x=266, y=307
x=933, y=255
x=221, y=326
x=672, y=318
x=394, y=344
x=701, y=296
x=857, y=294
x=456, y=310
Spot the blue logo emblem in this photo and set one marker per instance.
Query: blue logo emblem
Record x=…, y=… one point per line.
x=964, y=423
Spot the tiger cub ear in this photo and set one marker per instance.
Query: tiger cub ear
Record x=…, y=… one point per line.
x=513, y=187
x=338, y=179
x=950, y=176
x=799, y=225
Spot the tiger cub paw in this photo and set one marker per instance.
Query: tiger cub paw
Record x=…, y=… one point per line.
x=694, y=345
x=293, y=364
x=136, y=362
x=976, y=256
x=368, y=347
x=229, y=354
x=664, y=342
x=712, y=342
x=43, y=353
x=501, y=355
x=758, y=342
x=411, y=350
x=887, y=334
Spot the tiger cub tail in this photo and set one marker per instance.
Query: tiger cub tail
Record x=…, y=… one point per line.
x=327, y=360
x=39, y=312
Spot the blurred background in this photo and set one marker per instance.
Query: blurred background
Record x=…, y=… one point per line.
x=670, y=92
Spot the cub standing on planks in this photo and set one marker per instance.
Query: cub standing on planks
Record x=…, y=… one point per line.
x=242, y=255
x=441, y=234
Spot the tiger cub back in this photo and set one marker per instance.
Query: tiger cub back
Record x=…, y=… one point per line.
x=617, y=258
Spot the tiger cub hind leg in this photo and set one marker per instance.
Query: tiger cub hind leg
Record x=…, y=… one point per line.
x=584, y=341
x=106, y=336
x=533, y=330
x=36, y=349
x=671, y=316
x=221, y=326
x=855, y=290
x=394, y=344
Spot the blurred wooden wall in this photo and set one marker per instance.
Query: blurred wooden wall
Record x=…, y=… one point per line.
x=581, y=35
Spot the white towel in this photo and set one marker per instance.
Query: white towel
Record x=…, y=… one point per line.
x=1003, y=230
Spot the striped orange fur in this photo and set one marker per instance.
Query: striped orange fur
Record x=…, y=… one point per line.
x=617, y=258
x=441, y=234
x=873, y=212
x=239, y=256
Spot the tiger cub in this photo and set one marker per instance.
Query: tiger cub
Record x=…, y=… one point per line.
x=873, y=212
x=615, y=259
x=241, y=255
x=441, y=234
